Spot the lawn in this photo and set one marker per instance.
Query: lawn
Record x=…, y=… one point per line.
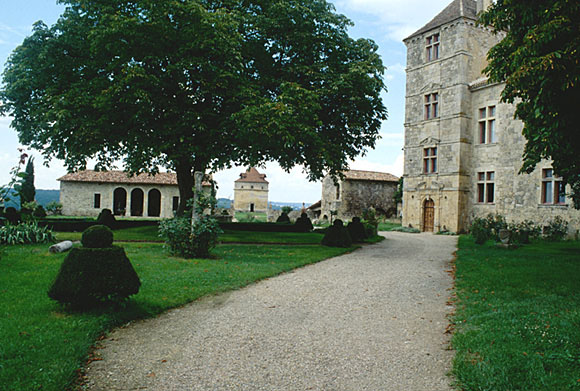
x=42, y=345
x=388, y=225
x=518, y=317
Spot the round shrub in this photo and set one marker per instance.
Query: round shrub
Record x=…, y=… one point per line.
x=107, y=218
x=39, y=212
x=303, y=223
x=90, y=276
x=12, y=215
x=97, y=236
x=283, y=218
x=337, y=235
x=357, y=230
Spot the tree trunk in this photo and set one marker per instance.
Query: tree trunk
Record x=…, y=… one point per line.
x=185, y=184
x=185, y=181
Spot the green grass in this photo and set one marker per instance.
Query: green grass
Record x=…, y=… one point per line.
x=388, y=225
x=42, y=345
x=518, y=317
x=150, y=234
x=257, y=217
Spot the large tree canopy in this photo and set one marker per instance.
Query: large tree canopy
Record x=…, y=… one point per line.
x=539, y=60
x=195, y=85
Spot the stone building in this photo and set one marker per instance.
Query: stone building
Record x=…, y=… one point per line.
x=357, y=191
x=463, y=148
x=251, y=192
x=86, y=193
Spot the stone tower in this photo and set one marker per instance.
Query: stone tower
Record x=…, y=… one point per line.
x=463, y=147
x=251, y=192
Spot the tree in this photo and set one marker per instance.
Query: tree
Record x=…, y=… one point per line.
x=194, y=85
x=26, y=188
x=539, y=61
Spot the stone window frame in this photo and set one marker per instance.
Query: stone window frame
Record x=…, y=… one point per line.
x=431, y=106
x=553, y=188
x=97, y=200
x=432, y=43
x=430, y=160
x=175, y=203
x=486, y=187
x=486, y=124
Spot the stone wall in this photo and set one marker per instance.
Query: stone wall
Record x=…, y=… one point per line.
x=349, y=198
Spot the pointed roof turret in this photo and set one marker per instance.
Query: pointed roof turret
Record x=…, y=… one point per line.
x=457, y=9
x=252, y=175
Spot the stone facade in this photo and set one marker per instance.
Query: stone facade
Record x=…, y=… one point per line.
x=463, y=148
x=357, y=191
x=251, y=192
x=86, y=193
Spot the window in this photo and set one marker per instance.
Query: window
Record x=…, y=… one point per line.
x=430, y=160
x=175, y=205
x=338, y=191
x=485, y=187
x=431, y=106
x=97, y=201
x=553, y=188
x=487, y=125
x=432, y=47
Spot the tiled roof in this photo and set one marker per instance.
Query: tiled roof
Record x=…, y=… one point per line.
x=455, y=10
x=316, y=205
x=162, y=178
x=252, y=175
x=360, y=175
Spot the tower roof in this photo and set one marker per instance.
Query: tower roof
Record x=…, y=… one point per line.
x=252, y=175
x=457, y=9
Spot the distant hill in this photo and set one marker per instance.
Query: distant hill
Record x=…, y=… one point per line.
x=226, y=204
x=43, y=197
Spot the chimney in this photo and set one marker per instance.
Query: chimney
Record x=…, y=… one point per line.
x=483, y=5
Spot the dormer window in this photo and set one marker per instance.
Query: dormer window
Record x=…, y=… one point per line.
x=432, y=47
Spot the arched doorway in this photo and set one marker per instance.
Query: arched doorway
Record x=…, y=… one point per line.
x=137, y=197
x=154, y=203
x=428, y=215
x=119, y=201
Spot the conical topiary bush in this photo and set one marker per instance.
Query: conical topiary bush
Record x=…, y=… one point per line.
x=92, y=275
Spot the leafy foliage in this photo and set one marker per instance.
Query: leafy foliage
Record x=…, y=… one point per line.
x=90, y=276
x=356, y=230
x=523, y=232
x=214, y=84
x=192, y=240
x=283, y=218
x=16, y=176
x=25, y=188
x=107, y=218
x=398, y=196
x=539, y=60
x=370, y=221
x=286, y=209
x=480, y=230
x=25, y=233
x=556, y=229
x=303, y=223
x=410, y=230
x=54, y=208
x=337, y=235
x=97, y=236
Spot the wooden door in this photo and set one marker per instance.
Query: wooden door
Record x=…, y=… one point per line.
x=428, y=215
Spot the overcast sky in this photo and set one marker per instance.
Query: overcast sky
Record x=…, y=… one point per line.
x=386, y=22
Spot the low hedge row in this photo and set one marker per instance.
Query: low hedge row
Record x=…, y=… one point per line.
x=261, y=227
x=79, y=225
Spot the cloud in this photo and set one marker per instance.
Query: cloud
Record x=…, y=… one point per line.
x=397, y=19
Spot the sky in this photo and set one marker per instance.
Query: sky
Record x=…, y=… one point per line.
x=386, y=22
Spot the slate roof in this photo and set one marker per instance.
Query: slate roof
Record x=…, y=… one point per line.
x=121, y=177
x=457, y=9
x=359, y=175
x=252, y=175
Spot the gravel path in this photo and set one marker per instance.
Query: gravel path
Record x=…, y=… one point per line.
x=371, y=320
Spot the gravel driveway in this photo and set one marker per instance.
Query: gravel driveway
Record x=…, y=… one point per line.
x=371, y=320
